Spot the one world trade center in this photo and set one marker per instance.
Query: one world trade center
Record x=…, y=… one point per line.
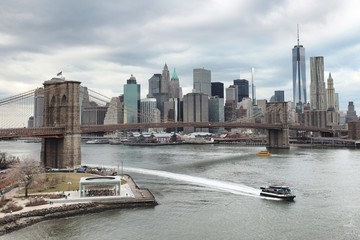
x=299, y=76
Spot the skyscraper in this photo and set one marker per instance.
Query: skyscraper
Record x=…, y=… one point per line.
x=299, y=76
x=243, y=88
x=154, y=85
x=231, y=103
x=172, y=110
x=196, y=109
x=216, y=111
x=317, y=84
x=38, y=107
x=165, y=80
x=91, y=112
x=217, y=89
x=148, y=111
x=159, y=88
x=351, y=113
x=279, y=96
x=333, y=117
x=202, y=81
x=175, y=91
x=232, y=93
x=115, y=113
x=131, y=100
x=330, y=94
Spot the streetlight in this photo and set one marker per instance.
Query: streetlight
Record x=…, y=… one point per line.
x=69, y=183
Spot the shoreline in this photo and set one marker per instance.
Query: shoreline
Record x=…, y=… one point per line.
x=140, y=197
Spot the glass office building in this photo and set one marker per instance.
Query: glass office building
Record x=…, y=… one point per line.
x=131, y=101
x=299, y=77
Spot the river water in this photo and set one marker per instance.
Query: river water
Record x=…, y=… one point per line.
x=212, y=192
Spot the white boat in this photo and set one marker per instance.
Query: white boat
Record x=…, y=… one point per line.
x=98, y=141
x=276, y=191
x=200, y=140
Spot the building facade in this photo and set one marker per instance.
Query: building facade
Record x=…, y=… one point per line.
x=175, y=90
x=243, y=88
x=131, y=101
x=115, y=111
x=217, y=89
x=38, y=108
x=165, y=80
x=154, y=85
x=202, y=81
x=317, y=84
x=279, y=96
x=195, y=109
x=93, y=114
x=216, y=111
x=351, y=113
x=333, y=116
x=232, y=93
x=148, y=111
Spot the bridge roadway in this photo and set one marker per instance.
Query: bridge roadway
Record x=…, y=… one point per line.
x=60, y=131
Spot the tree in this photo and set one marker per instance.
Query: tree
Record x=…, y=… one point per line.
x=26, y=170
x=7, y=160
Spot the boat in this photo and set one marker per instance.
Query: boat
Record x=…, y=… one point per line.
x=200, y=140
x=98, y=141
x=33, y=140
x=277, y=191
x=151, y=143
x=264, y=154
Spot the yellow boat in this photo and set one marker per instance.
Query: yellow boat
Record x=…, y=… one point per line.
x=264, y=153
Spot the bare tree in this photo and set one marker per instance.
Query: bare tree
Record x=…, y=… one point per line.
x=26, y=170
x=7, y=160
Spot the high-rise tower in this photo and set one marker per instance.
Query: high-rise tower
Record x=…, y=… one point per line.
x=299, y=75
x=243, y=88
x=131, y=100
x=165, y=80
x=330, y=93
x=202, y=80
x=175, y=90
x=317, y=84
x=217, y=89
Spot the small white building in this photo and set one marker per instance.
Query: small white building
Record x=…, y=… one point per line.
x=100, y=186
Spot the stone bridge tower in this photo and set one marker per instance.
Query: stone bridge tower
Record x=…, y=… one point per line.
x=277, y=113
x=62, y=109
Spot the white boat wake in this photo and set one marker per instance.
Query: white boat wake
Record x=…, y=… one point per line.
x=224, y=186
x=214, y=184
x=230, y=187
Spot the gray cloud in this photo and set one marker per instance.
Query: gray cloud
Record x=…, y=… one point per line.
x=102, y=42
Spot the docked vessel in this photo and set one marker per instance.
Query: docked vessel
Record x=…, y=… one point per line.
x=275, y=191
x=98, y=141
x=200, y=140
x=151, y=143
x=118, y=141
x=264, y=154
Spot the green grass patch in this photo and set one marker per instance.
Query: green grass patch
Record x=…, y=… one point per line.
x=57, y=182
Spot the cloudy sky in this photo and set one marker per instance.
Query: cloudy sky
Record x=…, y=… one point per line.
x=101, y=43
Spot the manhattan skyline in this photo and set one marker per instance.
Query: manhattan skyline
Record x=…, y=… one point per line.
x=102, y=43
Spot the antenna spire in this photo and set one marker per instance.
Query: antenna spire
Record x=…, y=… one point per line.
x=298, y=38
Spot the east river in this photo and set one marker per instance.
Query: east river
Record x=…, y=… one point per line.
x=212, y=192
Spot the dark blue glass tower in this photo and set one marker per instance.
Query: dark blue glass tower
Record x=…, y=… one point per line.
x=243, y=88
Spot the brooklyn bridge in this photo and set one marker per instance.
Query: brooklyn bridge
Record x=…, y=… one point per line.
x=61, y=129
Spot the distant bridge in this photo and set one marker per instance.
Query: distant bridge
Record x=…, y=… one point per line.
x=59, y=132
x=61, y=127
